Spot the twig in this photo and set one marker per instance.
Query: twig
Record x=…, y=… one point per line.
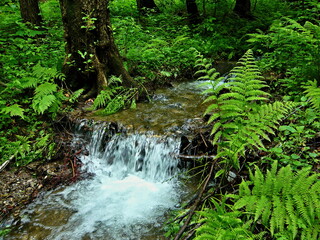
x=3, y=166
x=3, y=84
x=196, y=156
x=194, y=207
x=203, y=139
x=192, y=231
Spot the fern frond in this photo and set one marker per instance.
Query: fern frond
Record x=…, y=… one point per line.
x=13, y=110
x=102, y=99
x=41, y=104
x=73, y=98
x=29, y=82
x=47, y=97
x=313, y=93
x=45, y=89
x=223, y=224
x=283, y=200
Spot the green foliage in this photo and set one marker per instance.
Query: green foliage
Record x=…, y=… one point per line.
x=115, y=97
x=75, y=95
x=30, y=83
x=218, y=223
x=158, y=50
x=292, y=146
x=284, y=201
x=47, y=98
x=290, y=48
x=13, y=110
x=313, y=93
x=239, y=115
x=4, y=232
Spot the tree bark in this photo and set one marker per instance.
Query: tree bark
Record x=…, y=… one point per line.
x=92, y=55
x=193, y=12
x=243, y=8
x=30, y=12
x=142, y=5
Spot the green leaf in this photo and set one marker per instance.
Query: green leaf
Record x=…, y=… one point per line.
x=295, y=156
x=287, y=128
x=13, y=110
x=219, y=173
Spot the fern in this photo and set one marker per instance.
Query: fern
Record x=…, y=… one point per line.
x=221, y=224
x=40, y=75
x=240, y=117
x=47, y=98
x=313, y=93
x=73, y=98
x=291, y=48
x=103, y=98
x=114, y=97
x=283, y=201
x=13, y=110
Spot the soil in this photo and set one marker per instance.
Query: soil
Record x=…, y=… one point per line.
x=19, y=186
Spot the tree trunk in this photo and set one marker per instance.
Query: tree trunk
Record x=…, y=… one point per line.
x=142, y=5
x=92, y=55
x=192, y=9
x=243, y=8
x=30, y=11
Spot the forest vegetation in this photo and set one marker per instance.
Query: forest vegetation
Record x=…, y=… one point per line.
x=264, y=120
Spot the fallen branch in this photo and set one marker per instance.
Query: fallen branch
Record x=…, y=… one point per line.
x=3, y=84
x=192, y=231
x=196, y=156
x=3, y=166
x=195, y=205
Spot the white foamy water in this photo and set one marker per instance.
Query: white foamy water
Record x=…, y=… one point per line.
x=132, y=187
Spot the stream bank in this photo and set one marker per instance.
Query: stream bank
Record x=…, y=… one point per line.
x=174, y=112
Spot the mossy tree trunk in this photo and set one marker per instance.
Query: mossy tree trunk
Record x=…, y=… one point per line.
x=193, y=12
x=243, y=8
x=91, y=54
x=142, y=5
x=30, y=11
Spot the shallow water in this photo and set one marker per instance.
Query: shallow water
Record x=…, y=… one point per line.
x=134, y=179
x=176, y=110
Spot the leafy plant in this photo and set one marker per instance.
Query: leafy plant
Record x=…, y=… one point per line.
x=284, y=201
x=115, y=97
x=13, y=110
x=292, y=147
x=239, y=115
x=47, y=98
x=290, y=48
x=218, y=223
x=313, y=93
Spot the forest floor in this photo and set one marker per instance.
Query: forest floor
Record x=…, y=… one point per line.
x=20, y=185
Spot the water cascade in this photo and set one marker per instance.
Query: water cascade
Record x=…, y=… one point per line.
x=133, y=183
x=129, y=180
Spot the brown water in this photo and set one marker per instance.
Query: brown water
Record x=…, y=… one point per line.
x=175, y=110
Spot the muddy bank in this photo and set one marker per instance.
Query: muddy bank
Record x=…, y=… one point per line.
x=19, y=186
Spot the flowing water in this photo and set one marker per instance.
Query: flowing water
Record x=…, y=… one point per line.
x=132, y=178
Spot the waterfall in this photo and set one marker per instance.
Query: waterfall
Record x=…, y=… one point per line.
x=133, y=184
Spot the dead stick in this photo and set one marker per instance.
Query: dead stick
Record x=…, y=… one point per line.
x=204, y=141
x=3, y=166
x=73, y=172
x=196, y=156
x=192, y=231
x=194, y=207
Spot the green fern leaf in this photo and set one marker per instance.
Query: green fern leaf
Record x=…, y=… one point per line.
x=284, y=201
x=13, y=110
x=45, y=89
x=40, y=105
